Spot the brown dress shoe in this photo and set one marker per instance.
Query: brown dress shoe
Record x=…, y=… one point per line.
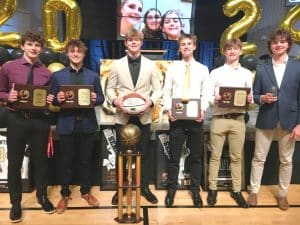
x=252, y=199
x=91, y=200
x=283, y=203
x=62, y=205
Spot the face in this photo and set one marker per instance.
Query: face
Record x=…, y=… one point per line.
x=132, y=11
x=186, y=47
x=32, y=50
x=232, y=53
x=76, y=55
x=171, y=26
x=153, y=20
x=279, y=46
x=133, y=45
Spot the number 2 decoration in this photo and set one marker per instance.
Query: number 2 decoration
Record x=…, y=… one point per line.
x=251, y=16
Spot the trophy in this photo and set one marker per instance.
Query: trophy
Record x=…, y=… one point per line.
x=129, y=136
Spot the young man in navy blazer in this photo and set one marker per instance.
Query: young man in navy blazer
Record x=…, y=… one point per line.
x=76, y=127
x=277, y=91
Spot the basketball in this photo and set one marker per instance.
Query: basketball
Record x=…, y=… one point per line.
x=129, y=135
x=133, y=103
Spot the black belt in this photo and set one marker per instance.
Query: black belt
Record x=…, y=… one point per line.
x=30, y=115
x=229, y=115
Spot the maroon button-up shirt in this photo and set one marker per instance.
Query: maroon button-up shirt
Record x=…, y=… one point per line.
x=17, y=71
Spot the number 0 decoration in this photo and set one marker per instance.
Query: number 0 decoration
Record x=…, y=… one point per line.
x=251, y=16
x=289, y=22
x=73, y=22
x=7, y=9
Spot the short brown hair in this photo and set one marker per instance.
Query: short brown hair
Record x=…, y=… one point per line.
x=32, y=36
x=282, y=33
x=189, y=36
x=75, y=43
x=232, y=42
x=134, y=33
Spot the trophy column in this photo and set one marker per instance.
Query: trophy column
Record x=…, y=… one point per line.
x=129, y=136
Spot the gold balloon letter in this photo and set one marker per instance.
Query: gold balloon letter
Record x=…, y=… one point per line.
x=289, y=21
x=7, y=9
x=73, y=22
x=251, y=16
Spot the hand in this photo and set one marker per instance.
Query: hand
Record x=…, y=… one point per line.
x=249, y=98
x=201, y=117
x=93, y=97
x=171, y=117
x=147, y=105
x=295, y=133
x=118, y=103
x=13, y=94
x=268, y=98
x=61, y=96
x=50, y=98
x=217, y=99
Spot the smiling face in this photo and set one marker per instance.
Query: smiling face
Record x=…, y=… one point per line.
x=153, y=20
x=232, y=53
x=131, y=11
x=133, y=45
x=76, y=55
x=186, y=48
x=279, y=46
x=172, y=26
x=32, y=50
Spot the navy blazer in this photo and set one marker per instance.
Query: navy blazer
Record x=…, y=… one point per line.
x=66, y=117
x=286, y=110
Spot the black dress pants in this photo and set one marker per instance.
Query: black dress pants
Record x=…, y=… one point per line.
x=180, y=131
x=21, y=131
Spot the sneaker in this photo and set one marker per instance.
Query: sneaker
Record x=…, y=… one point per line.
x=252, y=199
x=62, y=204
x=15, y=214
x=47, y=206
x=91, y=200
x=239, y=199
x=283, y=203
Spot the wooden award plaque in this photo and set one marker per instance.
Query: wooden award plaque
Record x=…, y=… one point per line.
x=31, y=97
x=234, y=97
x=77, y=96
x=190, y=110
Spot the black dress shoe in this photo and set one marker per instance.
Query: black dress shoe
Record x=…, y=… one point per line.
x=169, y=200
x=212, y=197
x=47, y=206
x=149, y=195
x=238, y=197
x=197, y=201
x=114, y=199
x=15, y=214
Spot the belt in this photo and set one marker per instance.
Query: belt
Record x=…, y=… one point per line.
x=229, y=115
x=29, y=115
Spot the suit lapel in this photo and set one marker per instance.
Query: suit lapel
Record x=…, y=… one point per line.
x=288, y=68
x=270, y=73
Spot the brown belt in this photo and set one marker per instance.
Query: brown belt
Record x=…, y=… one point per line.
x=229, y=115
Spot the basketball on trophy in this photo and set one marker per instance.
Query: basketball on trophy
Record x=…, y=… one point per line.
x=129, y=135
x=133, y=103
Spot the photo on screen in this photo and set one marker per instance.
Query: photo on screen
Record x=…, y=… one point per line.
x=157, y=19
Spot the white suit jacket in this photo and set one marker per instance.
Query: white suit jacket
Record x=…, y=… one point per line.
x=119, y=84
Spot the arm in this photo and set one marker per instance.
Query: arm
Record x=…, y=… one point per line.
x=97, y=96
x=167, y=93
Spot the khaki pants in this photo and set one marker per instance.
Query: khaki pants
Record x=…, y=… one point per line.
x=263, y=140
x=234, y=130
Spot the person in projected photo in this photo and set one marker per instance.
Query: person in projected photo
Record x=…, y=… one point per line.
x=171, y=25
x=131, y=15
x=152, y=29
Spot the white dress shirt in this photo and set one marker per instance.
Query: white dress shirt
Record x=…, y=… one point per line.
x=174, y=82
x=227, y=76
x=279, y=69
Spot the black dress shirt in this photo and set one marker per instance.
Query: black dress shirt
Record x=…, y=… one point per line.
x=134, y=68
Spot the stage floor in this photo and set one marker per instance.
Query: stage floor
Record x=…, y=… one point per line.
x=225, y=212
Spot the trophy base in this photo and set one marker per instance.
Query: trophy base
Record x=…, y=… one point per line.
x=128, y=218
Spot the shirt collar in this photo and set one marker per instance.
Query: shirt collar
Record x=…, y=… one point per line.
x=73, y=70
x=284, y=62
x=25, y=62
x=232, y=68
x=133, y=60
